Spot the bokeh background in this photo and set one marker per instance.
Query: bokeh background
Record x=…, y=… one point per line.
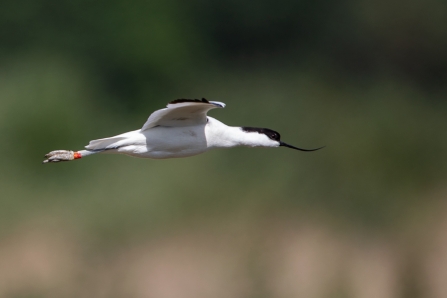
x=365, y=217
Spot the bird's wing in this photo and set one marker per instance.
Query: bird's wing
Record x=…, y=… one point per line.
x=182, y=112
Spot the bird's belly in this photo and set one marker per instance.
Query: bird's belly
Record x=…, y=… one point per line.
x=144, y=152
x=163, y=143
x=171, y=154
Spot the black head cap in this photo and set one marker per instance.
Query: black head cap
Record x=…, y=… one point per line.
x=273, y=135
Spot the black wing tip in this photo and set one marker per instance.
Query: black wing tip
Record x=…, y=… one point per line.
x=181, y=100
x=218, y=104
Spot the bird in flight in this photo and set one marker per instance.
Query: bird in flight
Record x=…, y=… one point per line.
x=181, y=129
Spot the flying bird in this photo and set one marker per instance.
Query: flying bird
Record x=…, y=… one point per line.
x=181, y=129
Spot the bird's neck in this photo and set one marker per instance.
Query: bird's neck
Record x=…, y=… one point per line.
x=220, y=135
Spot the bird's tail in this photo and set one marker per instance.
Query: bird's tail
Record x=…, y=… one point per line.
x=95, y=146
x=104, y=144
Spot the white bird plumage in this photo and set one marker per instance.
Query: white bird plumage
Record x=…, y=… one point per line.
x=181, y=129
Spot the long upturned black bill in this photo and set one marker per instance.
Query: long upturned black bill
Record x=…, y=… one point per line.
x=301, y=149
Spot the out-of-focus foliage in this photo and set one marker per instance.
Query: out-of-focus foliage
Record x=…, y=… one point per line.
x=362, y=217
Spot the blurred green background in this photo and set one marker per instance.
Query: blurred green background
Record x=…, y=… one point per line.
x=365, y=217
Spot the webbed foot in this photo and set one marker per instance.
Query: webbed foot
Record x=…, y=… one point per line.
x=59, y=155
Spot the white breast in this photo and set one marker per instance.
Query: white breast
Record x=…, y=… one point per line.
x=170, y=142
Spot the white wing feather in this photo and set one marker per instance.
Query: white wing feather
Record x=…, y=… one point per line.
x=182, y=113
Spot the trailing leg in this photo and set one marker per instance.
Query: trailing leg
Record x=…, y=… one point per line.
x=66, y=155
